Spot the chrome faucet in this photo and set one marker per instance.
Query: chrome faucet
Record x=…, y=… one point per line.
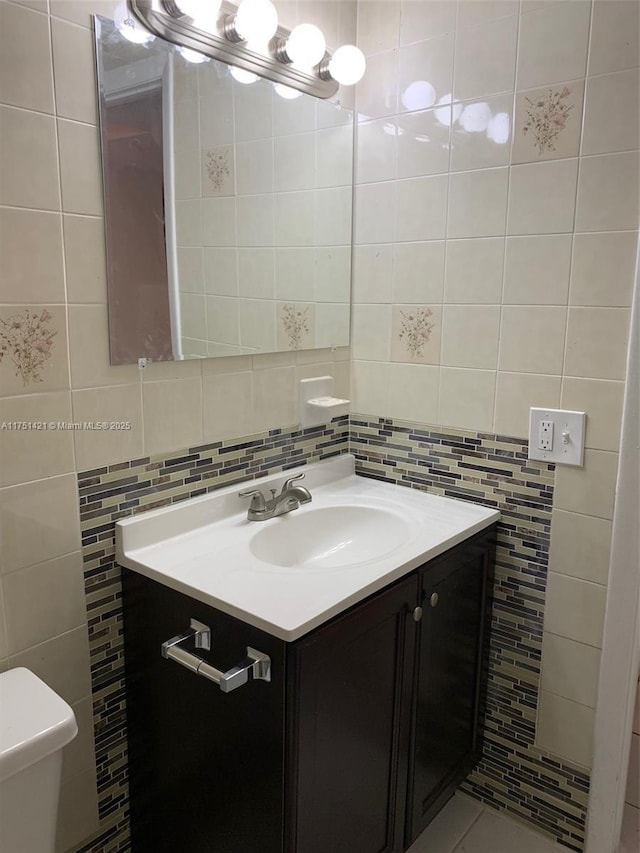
x=290, y=497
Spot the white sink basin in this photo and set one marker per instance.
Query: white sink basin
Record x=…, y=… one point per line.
x=329, y=537
x=290, y=574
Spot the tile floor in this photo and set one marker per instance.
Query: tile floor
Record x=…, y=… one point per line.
x=466, y=826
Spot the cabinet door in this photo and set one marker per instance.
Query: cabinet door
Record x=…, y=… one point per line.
x=350, y=698
x=206, y=768
x=448, y=661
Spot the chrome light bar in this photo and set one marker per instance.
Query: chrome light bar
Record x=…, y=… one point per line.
x=163, y=18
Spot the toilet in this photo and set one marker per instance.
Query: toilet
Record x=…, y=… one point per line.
x=35, y=724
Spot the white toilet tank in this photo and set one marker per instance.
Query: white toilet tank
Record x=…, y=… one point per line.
x=35, y=724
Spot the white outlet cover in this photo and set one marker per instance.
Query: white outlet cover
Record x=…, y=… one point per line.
x=568, y=436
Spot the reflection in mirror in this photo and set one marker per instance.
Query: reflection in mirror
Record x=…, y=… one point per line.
x=227, y=204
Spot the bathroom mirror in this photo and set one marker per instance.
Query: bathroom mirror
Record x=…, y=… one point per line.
x=228, y=207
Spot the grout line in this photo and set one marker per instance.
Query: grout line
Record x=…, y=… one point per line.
x=443, y=304
x=21, y=109
x=58, y=211
x=62, y=239
x=561, y=695
x=57, y=117
x=35, y=565
x=506, y=215
x=44, y=11
x=78, y=627
x=580, y=580
x=576, y=198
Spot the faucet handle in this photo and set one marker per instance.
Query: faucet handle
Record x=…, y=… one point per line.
x=257, y=499
x=288, y=482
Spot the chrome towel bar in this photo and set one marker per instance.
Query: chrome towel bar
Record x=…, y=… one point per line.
x=256, y=665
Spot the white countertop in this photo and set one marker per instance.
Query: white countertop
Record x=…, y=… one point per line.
x=202, y=547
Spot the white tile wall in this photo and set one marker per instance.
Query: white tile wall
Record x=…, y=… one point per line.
x=421, y=209
x=575, y=609
x=36, y=108
x=570, y=669
x=477, y=203
x=539, y=248
x=422, y=21
x=418, y=271
x=537, y=270
x=615, y=36
x=474, y=270
x=470, y=335
x=553, y=44
x=542, y=197
x=580, y=546
x=612, y=122
x=565, y=728
x=608, y=193
x=545, y=279
x=485, y=58
x=602, y=269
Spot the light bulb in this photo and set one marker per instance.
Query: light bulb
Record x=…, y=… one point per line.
x=242, y=76
x=203, y=12
x=347, y=65
x=286, y=92
x=192, y=55
x=129, y=26
x=306, y=45
x=256, y=21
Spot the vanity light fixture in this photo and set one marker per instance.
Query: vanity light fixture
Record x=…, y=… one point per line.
x=247, y=37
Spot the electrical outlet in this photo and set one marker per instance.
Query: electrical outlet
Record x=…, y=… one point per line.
x=556, y=435
x=545, y=435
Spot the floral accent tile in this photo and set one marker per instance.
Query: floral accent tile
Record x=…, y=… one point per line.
x=296, y=326
x=548, y=121
x=218, y=172
x=547, y=118
x=33, y=349
x=416, y=333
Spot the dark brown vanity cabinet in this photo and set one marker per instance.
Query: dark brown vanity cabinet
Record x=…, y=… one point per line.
x=365, y=730
x=448, y=677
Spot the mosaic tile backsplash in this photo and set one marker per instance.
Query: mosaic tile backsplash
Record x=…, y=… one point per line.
x=117, y=491
x=493, y=470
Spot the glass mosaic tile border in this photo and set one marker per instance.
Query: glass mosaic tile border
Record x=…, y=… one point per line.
x=513, y=775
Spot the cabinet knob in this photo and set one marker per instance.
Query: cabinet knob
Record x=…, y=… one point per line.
x=434, y=599
x=417, y=614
